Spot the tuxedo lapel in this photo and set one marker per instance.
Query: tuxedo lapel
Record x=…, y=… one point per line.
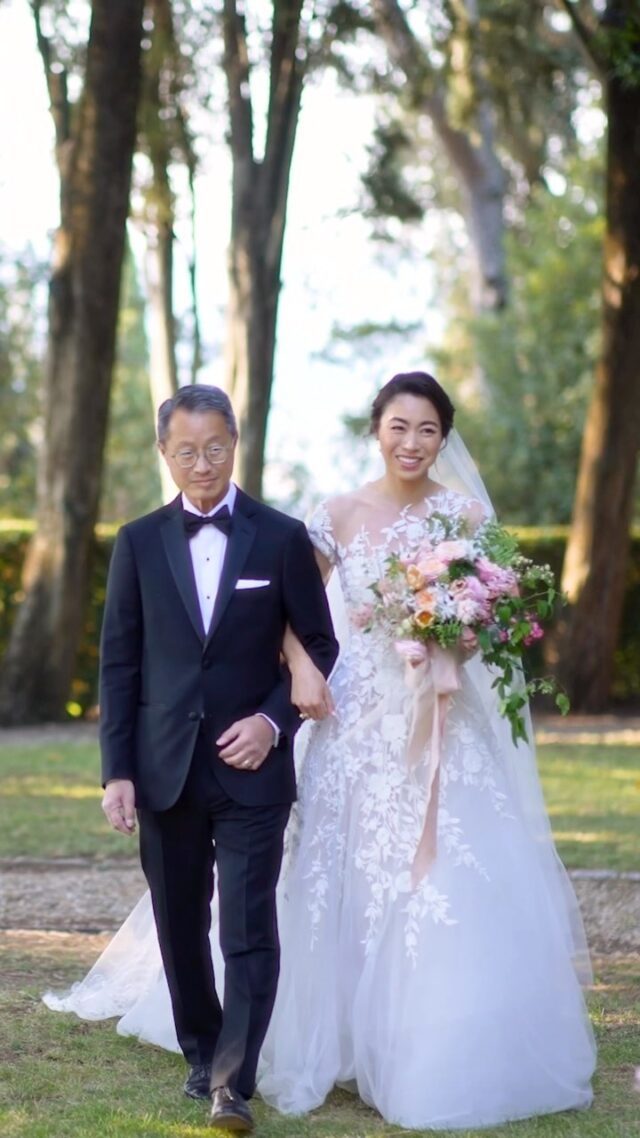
x=239, y=543
x=177, y=550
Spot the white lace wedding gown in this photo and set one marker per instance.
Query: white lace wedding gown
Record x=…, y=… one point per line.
x=453, y=1004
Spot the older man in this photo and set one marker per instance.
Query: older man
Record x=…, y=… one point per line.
x=197, y=732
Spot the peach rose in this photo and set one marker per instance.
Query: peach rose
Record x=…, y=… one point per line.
x=426, y=600
x=432, y=567
x=415, y=580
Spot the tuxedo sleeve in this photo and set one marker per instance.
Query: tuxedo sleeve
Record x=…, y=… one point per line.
x=120, y=663
x=307, y=611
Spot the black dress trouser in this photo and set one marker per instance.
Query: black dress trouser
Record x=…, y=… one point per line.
x=179, y=848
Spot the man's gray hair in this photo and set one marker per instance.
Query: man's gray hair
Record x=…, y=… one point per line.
x=199, y=397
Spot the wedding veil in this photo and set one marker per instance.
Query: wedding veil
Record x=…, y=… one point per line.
x=456, y=470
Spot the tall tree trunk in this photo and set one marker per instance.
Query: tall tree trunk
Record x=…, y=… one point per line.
x=94, y=157
x=597, y=550
x=163, y=372
x=471, y=151
x=260, y=190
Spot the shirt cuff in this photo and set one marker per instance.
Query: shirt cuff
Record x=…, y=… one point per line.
x=276, y=730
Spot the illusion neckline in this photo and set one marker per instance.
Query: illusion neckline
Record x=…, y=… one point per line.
x=403, y=515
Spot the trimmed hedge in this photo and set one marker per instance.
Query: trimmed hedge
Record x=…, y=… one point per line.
x=541, y=544
x=547, y=545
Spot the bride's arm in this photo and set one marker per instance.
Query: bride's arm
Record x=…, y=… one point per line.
x=310, y=691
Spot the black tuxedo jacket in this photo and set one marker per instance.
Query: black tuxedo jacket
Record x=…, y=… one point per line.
x=163, y=677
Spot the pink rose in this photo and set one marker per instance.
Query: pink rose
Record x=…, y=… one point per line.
x=499, y=582
x=475, y=589
x=449, y=551
x=536, y=633
x=468, y=610
x=486, y=569
x=473, y=596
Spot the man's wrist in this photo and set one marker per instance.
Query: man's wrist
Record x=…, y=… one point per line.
x=274, y=726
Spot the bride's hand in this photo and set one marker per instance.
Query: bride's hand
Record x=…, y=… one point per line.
x=310, y=691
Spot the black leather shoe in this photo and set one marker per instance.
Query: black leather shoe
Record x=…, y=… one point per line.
x=229, y=1111
x=198, y=1084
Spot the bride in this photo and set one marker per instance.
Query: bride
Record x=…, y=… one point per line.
x=445, y=990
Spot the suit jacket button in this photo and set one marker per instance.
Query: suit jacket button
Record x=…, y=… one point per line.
x=193, y=715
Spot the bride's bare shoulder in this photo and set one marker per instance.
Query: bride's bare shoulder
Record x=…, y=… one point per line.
x=343, y=506
x=474, y=512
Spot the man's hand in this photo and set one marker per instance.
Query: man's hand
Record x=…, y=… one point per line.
x=118, y=803
x=246, y=743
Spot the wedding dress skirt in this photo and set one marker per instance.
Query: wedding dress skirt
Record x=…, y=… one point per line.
x=449, y=1004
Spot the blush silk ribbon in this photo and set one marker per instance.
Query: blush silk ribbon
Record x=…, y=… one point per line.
x=433, y=681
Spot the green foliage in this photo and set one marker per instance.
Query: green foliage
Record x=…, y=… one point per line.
x=14, y=537
x=131, y=480
x=618, y=42
x=20, y=413
x=385, y=182
x=523, y=418
x=503, y=52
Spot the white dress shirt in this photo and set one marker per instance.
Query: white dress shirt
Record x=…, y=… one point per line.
x=207, y=548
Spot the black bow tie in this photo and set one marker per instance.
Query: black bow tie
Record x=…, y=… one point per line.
x=194, y=522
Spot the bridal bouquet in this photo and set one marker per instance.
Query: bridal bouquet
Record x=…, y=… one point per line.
x=470, y=593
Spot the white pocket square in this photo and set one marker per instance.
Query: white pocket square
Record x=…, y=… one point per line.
x=250, y=583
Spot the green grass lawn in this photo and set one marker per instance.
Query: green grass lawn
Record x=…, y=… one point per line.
x=593, y=798
x=50, y=804
x=64, y=1078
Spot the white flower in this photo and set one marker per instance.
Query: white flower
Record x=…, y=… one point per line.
x=415, y=531
x=393, y=728
x=402, y=883
x=472, y=761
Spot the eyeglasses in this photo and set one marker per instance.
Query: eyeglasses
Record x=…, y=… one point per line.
x=214, y=454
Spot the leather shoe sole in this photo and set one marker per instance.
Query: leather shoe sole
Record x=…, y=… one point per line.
x=230, y=1112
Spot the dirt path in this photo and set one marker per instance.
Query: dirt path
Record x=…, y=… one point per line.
x=83, y=896
x=75, y=895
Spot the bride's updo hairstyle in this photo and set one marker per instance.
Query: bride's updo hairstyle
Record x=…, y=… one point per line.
x=413, y=383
